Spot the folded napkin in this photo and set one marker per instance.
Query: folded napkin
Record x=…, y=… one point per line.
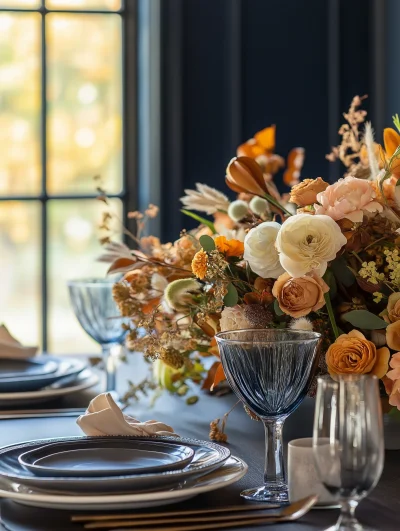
x=104, y=417
x=10, y=348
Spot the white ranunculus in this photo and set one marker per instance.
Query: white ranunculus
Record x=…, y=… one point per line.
x=307, y=243
x=260, y=251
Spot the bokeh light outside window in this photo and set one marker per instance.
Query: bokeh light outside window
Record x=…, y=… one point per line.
x=83, y=126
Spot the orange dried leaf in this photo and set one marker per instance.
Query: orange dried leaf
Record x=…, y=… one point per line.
x=219, y=376
x=266, y=138
x=122, y=265
x=209, y=379
x=391, y=140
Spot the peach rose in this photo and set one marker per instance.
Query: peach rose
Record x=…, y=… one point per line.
x=392, y=381
x=352, y=353
x=298, y=297
x=305, y=193
x=392, y=312
x=393, y=335
x=348, y=198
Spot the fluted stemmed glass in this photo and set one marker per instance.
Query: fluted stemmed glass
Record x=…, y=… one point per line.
x=98, y=315
x=348, y=442
x=270, y=371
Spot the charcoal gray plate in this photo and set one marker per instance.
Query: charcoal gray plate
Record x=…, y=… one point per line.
x=208, y=456
x=25, y=368
x=109, y=457
x=66, y=368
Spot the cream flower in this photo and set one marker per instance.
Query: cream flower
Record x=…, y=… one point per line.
x=233, y=318
x=307, y=243
x=348, y=198
x=260, y=251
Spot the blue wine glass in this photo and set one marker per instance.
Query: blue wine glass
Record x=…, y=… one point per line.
x=98, y=314
x=270, y=371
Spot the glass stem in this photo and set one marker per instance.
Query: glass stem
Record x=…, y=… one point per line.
x=347, y=520
x=274, y=471
x=110, y=367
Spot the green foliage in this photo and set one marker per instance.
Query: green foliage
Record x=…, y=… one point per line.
x=277, y=310
x=365, y=320
x=342, y=272
x=207, y=243
x=200, y=219
x=330, y=280
x=232, y=297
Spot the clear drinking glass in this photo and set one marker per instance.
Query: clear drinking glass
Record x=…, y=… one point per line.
x=348, y=442
x=270, y=371
x=98, y=315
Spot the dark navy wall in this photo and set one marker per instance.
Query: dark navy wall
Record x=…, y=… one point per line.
x=232, y=67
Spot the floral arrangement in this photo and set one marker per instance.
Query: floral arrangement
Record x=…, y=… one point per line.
x=322, y=257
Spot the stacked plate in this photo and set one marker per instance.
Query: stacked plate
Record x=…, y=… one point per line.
x=114, y=472
x=23, y=381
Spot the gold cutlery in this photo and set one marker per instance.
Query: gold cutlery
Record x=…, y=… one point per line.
x=196, y=520
x=187, y=512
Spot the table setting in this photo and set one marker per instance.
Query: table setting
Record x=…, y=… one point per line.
x=278, y=315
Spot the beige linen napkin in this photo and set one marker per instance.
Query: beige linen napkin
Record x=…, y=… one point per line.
x=10, y=348
x=104, y=417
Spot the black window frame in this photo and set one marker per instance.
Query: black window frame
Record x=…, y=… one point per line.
x=128, y=194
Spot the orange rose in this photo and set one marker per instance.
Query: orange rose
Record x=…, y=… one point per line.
x=305, y=193
x=392, y=312
x=352, y=353
x=244, y=174
x=393, y=335
x=298, y=297
x=229, y=247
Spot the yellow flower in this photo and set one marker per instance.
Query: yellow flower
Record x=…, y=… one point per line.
x=228, y=247
x=199, y=264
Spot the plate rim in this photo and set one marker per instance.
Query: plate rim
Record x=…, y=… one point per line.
x=224, y=454
x=36, y=360
x=65, y=499
x=160, y=446
x=72, y=366
x=46, y=392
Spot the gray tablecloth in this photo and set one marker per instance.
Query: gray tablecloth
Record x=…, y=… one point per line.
x=246, y=439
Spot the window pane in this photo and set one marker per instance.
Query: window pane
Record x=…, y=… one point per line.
x=20, y=269
x=85, y=102
x=84, y=4
x=73, y=250
x=20, y=168
x=20, y=3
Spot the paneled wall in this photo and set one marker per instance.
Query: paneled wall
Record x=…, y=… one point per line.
x=232, y=67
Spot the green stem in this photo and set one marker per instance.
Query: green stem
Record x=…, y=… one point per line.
x=276, y=204
x=331, y=315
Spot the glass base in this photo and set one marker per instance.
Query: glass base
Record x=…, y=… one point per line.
x=356, y=526
x=267, y=494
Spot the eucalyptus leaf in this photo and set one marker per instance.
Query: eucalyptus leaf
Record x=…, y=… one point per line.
x=364, y=319
x=207, y=243
x=342, y=272
x=232, y=297
x=277, y=310
x=200, y=219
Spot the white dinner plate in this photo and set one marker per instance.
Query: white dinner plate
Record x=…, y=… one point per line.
x=84, y=380
x=230, y=472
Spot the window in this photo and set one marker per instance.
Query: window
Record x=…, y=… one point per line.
x=61, y=123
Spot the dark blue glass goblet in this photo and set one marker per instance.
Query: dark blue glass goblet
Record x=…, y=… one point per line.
x=270, y=371
x=98, y=314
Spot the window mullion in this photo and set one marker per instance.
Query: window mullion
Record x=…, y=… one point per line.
x=44, y=280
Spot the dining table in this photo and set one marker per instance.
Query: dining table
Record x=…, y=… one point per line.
x=379, y=510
